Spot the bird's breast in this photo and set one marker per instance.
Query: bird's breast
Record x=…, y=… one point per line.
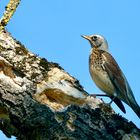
x=100, y=76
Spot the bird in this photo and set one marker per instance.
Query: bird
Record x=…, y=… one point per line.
x=107, y=74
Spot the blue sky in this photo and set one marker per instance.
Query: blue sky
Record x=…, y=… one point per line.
x=52, y=29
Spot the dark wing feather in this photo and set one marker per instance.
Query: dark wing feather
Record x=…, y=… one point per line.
x=120, y=83
x=118, y=103
x=115, y=74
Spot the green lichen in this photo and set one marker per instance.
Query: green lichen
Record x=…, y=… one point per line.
x=21, y=50
x=59, y=118
x=2, y=48
x=44, y=63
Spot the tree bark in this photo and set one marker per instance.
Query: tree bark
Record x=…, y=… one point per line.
x=40, y=101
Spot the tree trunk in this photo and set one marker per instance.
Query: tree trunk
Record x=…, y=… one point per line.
x=40, y=101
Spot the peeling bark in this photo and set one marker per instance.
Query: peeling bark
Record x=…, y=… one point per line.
x=40, y=101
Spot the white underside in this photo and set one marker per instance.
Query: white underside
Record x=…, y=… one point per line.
x=102, y=80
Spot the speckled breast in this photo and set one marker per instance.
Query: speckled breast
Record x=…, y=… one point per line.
x=98, y=73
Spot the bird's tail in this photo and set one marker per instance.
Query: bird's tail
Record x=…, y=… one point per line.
x=136, y=108
x=118, y=103
x=130, y=100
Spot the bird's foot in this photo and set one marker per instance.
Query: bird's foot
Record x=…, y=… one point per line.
x=93, y=95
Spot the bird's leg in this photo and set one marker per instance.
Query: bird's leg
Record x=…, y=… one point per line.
x=112, y=99
x=101, y=95
x=104, y=95
x=94, y=95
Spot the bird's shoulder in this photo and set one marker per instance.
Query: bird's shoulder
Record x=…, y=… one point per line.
x=109, y=60
x=114, y=71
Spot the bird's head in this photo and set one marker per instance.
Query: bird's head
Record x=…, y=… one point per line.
x=97, y=41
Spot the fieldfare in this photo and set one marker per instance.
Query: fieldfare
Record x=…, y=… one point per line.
x=107, y=74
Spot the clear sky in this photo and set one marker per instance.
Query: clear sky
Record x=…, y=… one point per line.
x=52, y=29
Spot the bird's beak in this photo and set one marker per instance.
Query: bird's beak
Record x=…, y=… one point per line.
x=86, y=37
x=89, y=39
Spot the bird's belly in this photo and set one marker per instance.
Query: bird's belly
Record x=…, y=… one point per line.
x=102, y=80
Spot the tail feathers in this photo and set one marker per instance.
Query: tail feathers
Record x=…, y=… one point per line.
x=118, y=103
x=132, y=101
x=136, y=108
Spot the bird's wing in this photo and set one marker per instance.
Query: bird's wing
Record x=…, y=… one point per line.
x=118, y=102
x=114, y=73
x=118, y=79
x=120, y=83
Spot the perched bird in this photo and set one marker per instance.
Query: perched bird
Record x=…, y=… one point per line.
x=107, y=74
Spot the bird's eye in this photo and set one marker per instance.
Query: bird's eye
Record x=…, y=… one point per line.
x=94, y=38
